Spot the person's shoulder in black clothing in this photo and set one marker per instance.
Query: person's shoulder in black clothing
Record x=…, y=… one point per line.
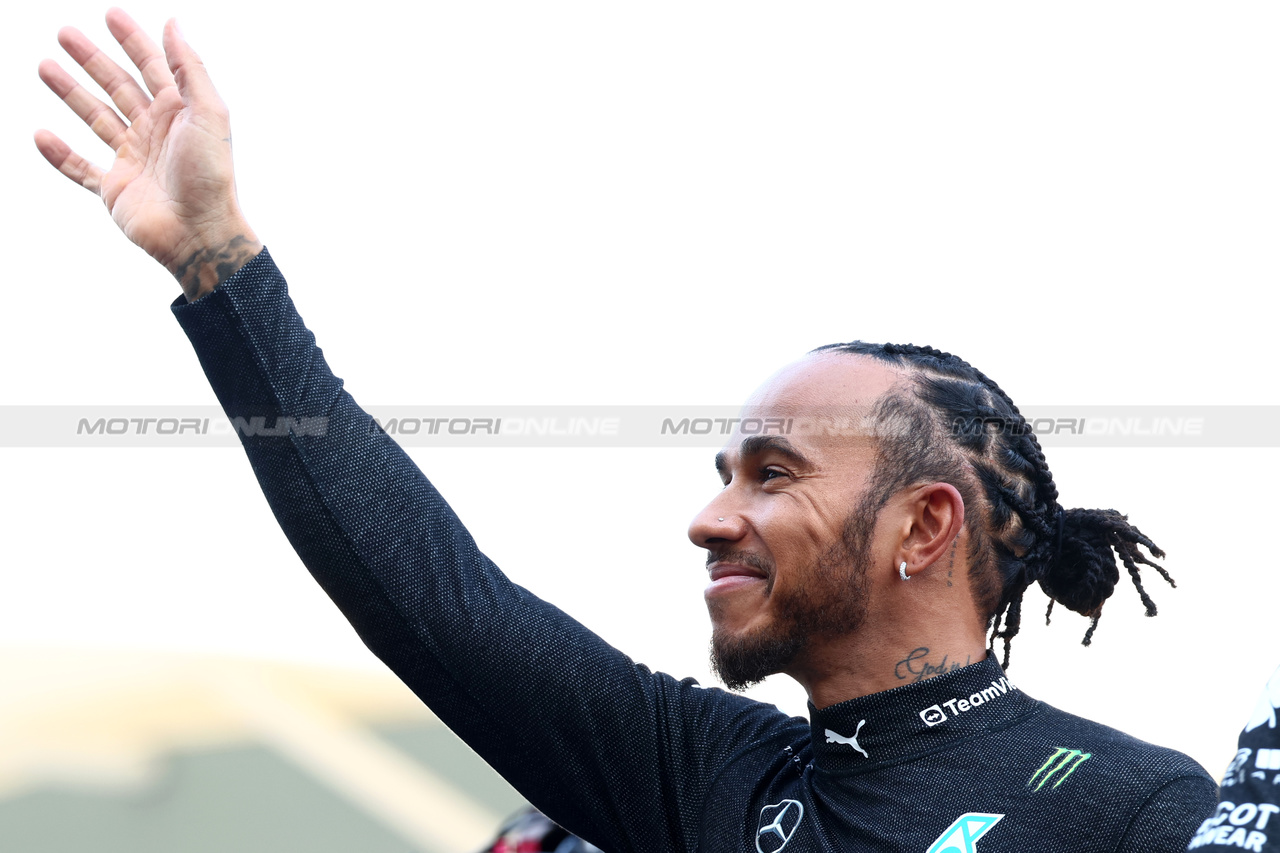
x=1085, y=779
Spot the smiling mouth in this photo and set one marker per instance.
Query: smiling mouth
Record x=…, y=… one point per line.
x=729, y=580
x=733, y=570
x=745, y=564
x=720, y=570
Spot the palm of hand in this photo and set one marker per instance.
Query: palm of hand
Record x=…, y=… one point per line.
x=170, y=172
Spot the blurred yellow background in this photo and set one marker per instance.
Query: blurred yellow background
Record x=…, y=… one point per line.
x=140, y=752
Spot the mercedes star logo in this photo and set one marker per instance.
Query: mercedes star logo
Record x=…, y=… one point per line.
x=777, y=824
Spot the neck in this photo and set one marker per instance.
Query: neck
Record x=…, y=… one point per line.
x=883, y=654
x=900, y=667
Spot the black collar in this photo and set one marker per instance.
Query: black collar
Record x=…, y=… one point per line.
x=883, y=728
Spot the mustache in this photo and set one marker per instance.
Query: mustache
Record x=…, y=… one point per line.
x=745, y=558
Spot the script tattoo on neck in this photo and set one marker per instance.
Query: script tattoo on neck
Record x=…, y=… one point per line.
x=204, y=269
x=916, y=666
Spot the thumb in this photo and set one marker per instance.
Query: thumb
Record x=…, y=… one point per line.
x=189, y=72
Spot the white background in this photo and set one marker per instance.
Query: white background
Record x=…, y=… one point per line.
x=577, y=203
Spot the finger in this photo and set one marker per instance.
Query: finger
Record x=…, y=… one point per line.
x=68, y=162
x=141, y=50
x=103, y=120
x=193, y=78
x=114, y=80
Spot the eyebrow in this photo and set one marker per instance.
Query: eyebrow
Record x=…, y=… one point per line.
x=757, y=444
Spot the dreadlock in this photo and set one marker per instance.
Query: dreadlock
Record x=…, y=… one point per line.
x=959, y=427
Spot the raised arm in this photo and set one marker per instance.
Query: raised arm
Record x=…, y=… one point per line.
x=171, y=187
x=616, y=753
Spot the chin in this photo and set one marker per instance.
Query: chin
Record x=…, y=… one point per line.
x=743, y=658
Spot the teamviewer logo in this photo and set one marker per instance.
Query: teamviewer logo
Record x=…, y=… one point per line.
x=933, y=715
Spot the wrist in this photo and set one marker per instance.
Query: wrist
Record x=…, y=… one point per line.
x=212, y=256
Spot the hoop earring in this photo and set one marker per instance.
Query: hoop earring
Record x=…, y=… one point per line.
x=902, y=571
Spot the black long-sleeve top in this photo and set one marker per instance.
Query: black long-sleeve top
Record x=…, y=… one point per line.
x=630, y=759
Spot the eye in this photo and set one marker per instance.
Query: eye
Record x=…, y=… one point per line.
x=767, y=474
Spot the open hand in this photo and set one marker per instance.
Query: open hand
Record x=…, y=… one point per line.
x=171, y=188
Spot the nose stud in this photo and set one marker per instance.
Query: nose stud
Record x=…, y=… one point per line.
x=721, y=518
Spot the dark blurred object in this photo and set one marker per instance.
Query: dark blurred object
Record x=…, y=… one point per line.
x=1248, y=815
x=531, y=831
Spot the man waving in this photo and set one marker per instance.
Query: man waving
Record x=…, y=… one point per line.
x=884, y=508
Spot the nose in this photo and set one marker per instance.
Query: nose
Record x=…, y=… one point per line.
x=717, y=524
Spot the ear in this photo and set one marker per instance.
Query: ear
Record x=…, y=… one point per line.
x=934, y=518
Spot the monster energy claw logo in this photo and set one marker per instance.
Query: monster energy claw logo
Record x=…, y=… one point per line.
x=1060, y=765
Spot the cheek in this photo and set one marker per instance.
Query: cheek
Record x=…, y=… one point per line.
x=802, y=526
x=781, y=529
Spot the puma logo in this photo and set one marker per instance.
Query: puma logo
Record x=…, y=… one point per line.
x=833, y=737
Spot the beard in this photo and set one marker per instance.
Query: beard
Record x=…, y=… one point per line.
x=829, y=601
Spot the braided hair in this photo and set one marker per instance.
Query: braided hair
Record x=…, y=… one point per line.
x=959, y=427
